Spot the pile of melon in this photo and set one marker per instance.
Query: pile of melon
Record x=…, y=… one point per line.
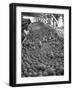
x=42, y=51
